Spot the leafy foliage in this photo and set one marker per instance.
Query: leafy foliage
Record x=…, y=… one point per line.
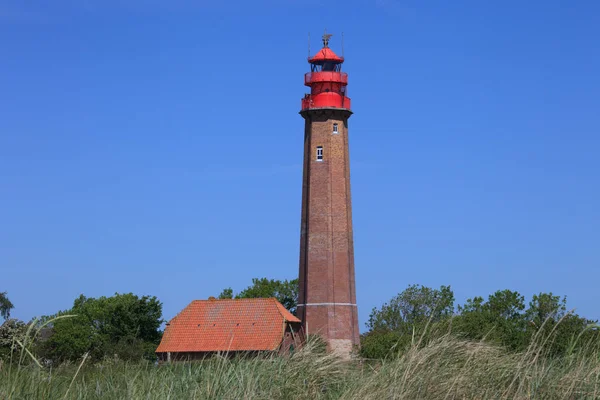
x=567, y=332
x=500, y=319
x=286, y=292
x=5, y=305
x=124, y=325
x=414, y=306
x=406, y=318
x=420, y=314
x=383, y=344
x=545, y=305
x=10, y=331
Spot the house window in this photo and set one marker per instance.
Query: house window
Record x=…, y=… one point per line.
x=335, y=128
x=319, y=153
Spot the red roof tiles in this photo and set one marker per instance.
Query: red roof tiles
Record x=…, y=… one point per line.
x=227, y=325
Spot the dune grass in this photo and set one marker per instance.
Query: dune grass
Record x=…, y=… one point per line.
x=445, y=368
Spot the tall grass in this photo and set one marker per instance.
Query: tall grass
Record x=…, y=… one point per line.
x=444, y=368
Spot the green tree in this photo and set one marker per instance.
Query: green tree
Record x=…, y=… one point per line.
x=559, y=331
x=500, y=319
x=545, y=306
x=545, y=324
x=124, y=325
x=226, y=294
x=286, y=292
x=412, y=307
x=402, y=321
x=10, y=331
x=5, y=305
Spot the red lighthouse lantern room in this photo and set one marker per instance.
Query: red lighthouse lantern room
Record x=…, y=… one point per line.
x=326, y=80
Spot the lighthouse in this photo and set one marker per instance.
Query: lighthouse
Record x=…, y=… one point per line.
x=327, y=293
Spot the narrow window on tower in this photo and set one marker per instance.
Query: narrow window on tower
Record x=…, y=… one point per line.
x=335, y=128
x=319, y=153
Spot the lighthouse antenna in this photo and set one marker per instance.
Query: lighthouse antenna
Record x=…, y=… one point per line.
x=308, y=44
x=342, y=44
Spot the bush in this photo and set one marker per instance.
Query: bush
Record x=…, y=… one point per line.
x=383, y=344
x=124, y=325
x=11, y=331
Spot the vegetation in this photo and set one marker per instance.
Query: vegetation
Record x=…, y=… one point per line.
x=10, y=331
x=502, y=319
x=5, y=305
x=444, y=368
x=418, y=346
x=285, y=291
x=124, y=326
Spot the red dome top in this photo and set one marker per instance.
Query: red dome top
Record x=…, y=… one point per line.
x=325, y=54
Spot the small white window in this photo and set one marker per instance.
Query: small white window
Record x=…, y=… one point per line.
x=335, y=128
x=319, y=153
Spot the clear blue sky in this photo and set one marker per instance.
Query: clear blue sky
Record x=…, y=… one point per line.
x=156, y=147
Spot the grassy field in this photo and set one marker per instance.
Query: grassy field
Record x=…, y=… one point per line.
x=446, y=368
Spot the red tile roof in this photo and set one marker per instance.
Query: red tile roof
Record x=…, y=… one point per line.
x=227, y=325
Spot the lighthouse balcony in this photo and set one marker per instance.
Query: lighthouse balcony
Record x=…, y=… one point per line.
x=326, y=76
x=326, y=100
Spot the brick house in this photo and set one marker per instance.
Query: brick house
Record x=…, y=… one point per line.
x=229, y=326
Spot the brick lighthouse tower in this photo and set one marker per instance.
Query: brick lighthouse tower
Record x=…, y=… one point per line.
x=327, y=297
